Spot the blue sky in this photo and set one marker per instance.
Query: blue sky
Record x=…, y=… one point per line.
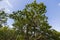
x=53, y=9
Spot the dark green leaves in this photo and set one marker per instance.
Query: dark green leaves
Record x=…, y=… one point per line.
x=3, y=18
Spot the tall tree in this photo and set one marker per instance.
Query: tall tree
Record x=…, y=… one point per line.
x=31, y=23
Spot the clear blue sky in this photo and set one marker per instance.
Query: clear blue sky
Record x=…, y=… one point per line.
x=53, y=9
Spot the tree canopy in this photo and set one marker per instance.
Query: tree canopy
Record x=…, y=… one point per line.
x=31, y=23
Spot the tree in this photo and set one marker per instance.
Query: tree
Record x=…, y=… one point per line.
x=3, y=18
x=7, y=34
x=31, y=23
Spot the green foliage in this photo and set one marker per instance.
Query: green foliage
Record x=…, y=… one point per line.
x=7, y=34
x=29, y=24
x=3, y=18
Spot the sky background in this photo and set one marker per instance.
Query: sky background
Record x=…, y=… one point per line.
x=53, y=10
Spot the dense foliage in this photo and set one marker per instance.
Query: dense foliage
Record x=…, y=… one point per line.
x=29, y=24
x=3, y=18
